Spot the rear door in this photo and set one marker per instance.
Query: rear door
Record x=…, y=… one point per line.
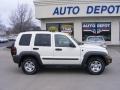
x=43, y=46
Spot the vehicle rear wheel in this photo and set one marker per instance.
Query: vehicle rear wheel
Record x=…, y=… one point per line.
x=96, y=65
x=30, y=66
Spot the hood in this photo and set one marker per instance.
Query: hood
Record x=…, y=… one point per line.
x=91, y=47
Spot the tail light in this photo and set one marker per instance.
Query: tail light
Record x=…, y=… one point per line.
x=13, y=51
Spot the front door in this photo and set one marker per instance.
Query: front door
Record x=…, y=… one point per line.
x=65, y=51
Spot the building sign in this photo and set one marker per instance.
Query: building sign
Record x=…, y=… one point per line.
x=66, y=10
x=96, y=28
x=98, y=9
x=79, y=10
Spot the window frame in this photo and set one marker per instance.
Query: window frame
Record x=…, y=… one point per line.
x=70, y=41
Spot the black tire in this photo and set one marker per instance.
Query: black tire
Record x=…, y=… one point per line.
x=30, y=66
x=95, y=65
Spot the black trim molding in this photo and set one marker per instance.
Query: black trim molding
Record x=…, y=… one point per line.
x=60, y=58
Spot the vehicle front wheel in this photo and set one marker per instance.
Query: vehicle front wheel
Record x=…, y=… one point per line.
x=30, y=66
x=96, y=65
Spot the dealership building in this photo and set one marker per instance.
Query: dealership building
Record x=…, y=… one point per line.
x=81, y=18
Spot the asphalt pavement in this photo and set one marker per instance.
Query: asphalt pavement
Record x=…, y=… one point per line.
x=12, y=78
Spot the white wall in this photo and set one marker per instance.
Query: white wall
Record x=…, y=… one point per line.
x=115, y=31
x=78, y=26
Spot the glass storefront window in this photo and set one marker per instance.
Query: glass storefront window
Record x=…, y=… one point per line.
x=67, y=28
x=96, y=29
x=53, y=27
x=61, y=27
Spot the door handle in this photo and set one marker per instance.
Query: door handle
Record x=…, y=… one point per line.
x=58, y=49
x=35, y=48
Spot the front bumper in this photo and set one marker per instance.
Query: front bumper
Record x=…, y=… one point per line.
x=108, y=59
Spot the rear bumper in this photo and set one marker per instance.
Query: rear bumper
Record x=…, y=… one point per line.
x=108, y=59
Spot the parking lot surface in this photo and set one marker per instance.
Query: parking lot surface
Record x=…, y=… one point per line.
x=12, y=78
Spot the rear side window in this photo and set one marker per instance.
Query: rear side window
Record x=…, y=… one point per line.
x=42, y=40
x=25, y=40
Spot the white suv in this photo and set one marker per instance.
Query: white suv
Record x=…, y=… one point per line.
x=34, y=49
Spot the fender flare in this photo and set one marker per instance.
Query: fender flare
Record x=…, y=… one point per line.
x=31, y=54
x=93, y=53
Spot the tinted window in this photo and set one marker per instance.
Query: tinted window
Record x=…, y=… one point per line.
x=42, y=40
x=62, y=41
x=25, y=40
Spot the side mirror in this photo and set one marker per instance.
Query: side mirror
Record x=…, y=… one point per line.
x=81, y=43
x=72, y=45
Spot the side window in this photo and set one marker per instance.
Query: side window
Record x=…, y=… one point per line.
x=62, y=41
x=25, y=40
x=42, y=40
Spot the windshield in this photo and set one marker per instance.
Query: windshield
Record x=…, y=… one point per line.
x=99, y=39
x=95, y=39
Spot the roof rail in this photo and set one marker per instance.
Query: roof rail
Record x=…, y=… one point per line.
x=40, y=30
